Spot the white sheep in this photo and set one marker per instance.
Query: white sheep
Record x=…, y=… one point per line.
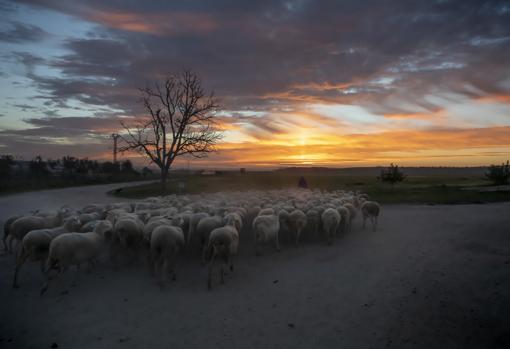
x=330, y=221
x=297, y=222
x=152, y=224
x=194, y=219
x=236, y=218
x=266, y=228
x=74, y=249
x=352, y=213
x=313, y=219
x=166, y=242
x=204, y=229
x=370, y=210
x=7, y=228
x=266, y=211
x=89, y=226
x=223, y=244
x=345, y=215
x=127, y=237
x=36, y=243
x=21, y=226
x=92, y=216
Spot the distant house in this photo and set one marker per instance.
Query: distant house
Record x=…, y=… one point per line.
x=208, y=173
x=57, y=170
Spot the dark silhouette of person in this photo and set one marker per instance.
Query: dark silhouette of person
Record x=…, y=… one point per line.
x=302, y=182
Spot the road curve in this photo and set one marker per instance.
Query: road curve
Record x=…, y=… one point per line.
x=51, y=199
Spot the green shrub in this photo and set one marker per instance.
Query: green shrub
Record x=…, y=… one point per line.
x=498, y=174
x=391, y=175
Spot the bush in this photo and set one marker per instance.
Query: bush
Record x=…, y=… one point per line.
x=498, y=174
x=391, y=175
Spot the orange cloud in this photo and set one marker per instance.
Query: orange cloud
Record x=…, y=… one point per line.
x=500, y=98
x=461, y=147
x=174, y=23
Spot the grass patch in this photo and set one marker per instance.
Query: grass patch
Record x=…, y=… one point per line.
x=416, y=189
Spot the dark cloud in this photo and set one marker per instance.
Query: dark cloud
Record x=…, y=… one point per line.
x=28, y=146
x=268, y=47
x=20, y=33
x=67, y=127
x=270, y=56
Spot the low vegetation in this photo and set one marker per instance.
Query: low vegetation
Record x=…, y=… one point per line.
x=392, y=175
x=498, y=174
x=24, y=175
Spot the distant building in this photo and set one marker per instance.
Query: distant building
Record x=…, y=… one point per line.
x=242, y=170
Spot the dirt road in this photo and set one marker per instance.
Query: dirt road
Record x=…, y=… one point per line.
x=431, y=277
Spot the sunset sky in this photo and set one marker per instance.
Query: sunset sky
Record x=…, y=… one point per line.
x=315, y=83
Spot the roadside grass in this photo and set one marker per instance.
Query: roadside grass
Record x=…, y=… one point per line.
x=415, y=189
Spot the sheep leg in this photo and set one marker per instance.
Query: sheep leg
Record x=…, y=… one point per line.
x=171, y=263
x=188, y=238
x=211, y=264
x=157, y=269
x=330, y=238
x=113, y=256
x=90, y=266
x=4, y=240
x=298, y=235
x=364, y=220
x=277, y=242
x=45, y=285
x=257, y=247
x=231, y=260
x=222, y=273
x=163, y=271
x=152, y=263
x=204, y=252
x=132, y=256
x=11, y=242
x=49, y=266
x=22, y=257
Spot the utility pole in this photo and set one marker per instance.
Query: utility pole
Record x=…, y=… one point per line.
x=115, y=137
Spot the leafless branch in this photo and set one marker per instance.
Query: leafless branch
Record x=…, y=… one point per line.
x=180, y=121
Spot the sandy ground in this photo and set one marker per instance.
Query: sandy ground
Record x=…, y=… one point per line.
x=431, y=277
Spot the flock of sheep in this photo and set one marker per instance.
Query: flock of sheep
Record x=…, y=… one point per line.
x=161, y=228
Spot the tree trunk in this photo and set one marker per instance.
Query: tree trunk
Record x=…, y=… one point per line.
x=164, y=175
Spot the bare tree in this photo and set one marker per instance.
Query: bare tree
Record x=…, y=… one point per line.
x=180, y=121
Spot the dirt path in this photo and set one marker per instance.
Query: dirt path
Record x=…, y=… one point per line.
x=432, y=277
x=54, y=198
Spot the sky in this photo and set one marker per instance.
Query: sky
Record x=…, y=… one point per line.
x=301, y=83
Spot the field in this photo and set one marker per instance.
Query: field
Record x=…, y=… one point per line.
x=429, y=189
